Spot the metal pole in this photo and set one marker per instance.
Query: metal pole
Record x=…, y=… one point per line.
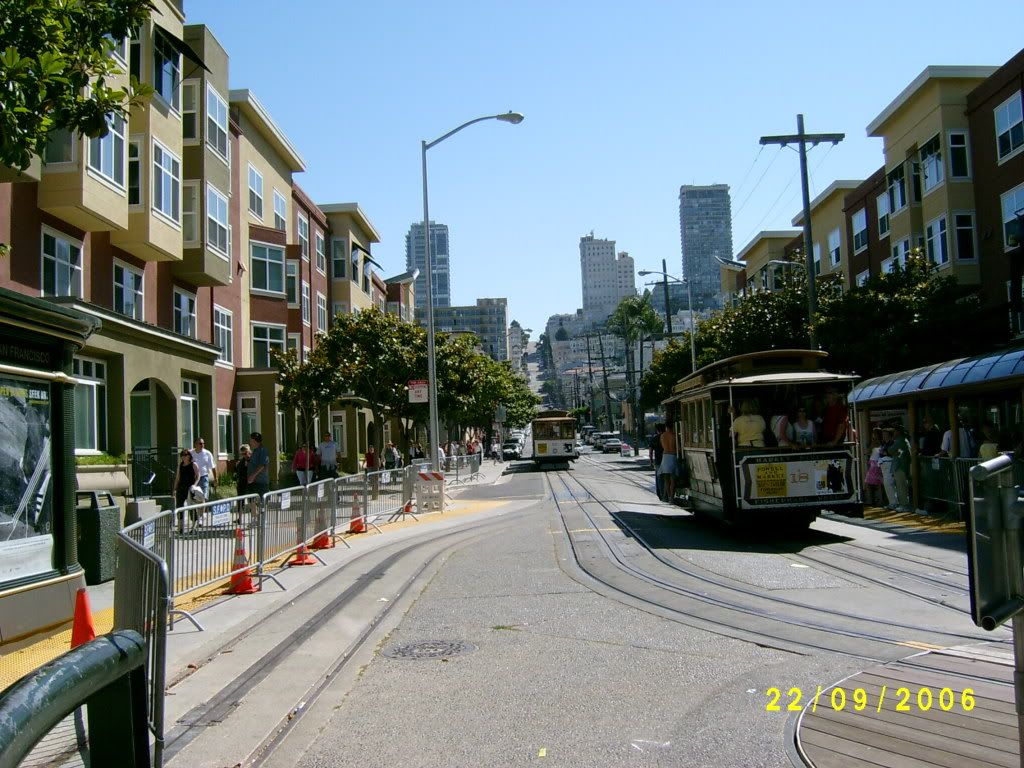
x=693, y=326
x=812, y=299
x=668, y=309
x=1018, y=680
x=607, y=393
x=433, y=439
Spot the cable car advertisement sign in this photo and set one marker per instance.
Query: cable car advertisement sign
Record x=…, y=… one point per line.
x=787, y=479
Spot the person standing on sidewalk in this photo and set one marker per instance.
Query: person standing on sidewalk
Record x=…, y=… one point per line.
x=259, y=465
x=328, y=457
x=655, y=453
x=304, y=464
x=204, y=462
x=669, y=463
x=900, y=452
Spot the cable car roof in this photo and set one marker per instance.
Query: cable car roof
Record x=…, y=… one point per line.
x=995, y=367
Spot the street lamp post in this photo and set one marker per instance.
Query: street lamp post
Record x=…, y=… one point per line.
x=689, y=302
x=433, y=438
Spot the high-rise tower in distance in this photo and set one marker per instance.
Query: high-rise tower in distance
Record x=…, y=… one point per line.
x=415, y=258
x=705, y=229
x=606, y=279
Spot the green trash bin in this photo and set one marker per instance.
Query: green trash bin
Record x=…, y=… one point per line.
x=99, y=520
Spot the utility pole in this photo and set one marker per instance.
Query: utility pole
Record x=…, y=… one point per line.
x=802, y=139
x=607, y=393
x=590, y=375
x=668, y=308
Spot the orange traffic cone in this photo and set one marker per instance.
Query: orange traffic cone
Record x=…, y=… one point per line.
x=357, y=524
x=241, y=582
x=83, y=630
x=302, y=556
x=408, y=508
x=323, y=541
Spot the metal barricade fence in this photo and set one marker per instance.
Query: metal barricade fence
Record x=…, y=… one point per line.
x=285, y=523
x=386, y=492
x=142, y=601
x=352, y=493
x=938, y=488
x=322, y=514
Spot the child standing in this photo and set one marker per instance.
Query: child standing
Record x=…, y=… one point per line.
x=873, y=477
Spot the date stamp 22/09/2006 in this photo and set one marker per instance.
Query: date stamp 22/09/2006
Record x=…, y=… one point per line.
x=898, y=699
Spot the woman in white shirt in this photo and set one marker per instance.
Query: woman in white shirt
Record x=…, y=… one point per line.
x=801, y=430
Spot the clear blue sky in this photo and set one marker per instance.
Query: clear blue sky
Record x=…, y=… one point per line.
x=623, y=103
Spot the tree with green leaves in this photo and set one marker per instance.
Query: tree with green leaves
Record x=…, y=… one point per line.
x=372, y=356
x=668, y=366
x=307, y=388
x=634, y=319
x=55, y=66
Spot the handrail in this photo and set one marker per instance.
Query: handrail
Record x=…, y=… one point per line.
x=108, y=675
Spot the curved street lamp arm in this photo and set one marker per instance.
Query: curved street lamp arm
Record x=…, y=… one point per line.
x=428, y=144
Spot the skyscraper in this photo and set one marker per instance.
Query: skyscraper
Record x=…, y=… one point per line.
x=606, y=279
x=705, y=228
x=415, y=258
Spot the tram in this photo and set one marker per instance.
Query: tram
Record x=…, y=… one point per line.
x=786, y=475
x=554, y=438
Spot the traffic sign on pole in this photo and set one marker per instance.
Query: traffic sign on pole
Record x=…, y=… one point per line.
x=418, y=391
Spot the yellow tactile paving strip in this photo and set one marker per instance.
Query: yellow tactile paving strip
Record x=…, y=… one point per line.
x=18, y=663
x=914, y=520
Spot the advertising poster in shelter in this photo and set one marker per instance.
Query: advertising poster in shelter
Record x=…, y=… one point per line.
x=778, y=479
x=26, y=518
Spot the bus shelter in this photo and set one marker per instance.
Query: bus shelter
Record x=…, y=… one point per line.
x=951, y=411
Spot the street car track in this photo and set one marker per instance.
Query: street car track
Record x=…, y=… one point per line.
x=711, y=601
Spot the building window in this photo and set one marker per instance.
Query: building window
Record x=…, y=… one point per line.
x=931, y=164
x=128, y=289
x=321, y=254
x=166, y=183
x=897, y=189
x=816, y=251
x=883, y=214
x=936, y=244
x=304, y=236
x=291, y=283
x=255, y=192
x=61, y=265
x=888, y=265
x=266, y=338
x=135, y=172
x=217, y=122
x=280, y=211
x=863, y=277
x=959, y=156
x=135, y=55
x=964, y=226
x=248, y=415
x=305, y=303
x=107, y=154
x=189, y=412
x=166, y=70
x=189, y=198
x=225, y=434
x=321, y=312
x=1013, y=215
x=216, y=221
x=860, y=230
x=354, y=272
x=835, y=253
x=223, y=337
x=900, y=251
x=338, y=431
x=294, y=344
x=184, y=313
x=267, y=267
x=60, y=147
x=90, y=405
x=337, y=257
x=1009, y=126
x=190, y=110
x=339, y=308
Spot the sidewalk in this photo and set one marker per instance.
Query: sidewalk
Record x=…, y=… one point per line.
x=18, y=659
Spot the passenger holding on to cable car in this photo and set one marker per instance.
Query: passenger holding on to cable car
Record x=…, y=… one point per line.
x=802, y=430
x=749, y=426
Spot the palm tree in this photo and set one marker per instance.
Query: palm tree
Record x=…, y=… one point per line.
x=633, y=320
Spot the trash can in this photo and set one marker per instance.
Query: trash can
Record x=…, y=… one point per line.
x=99, y=520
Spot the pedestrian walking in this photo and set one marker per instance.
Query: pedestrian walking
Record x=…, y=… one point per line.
x=370, y=463
x=328, y=457
x=669, y=466
x=304, y=464
x=259, y=465
x=186, y=477
x=203, y=460
x=655, y=453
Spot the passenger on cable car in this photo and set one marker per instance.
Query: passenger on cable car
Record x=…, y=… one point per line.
x=749, y=426
x=835, y=419
x=802, y=432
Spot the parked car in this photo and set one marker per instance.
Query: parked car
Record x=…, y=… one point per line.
x=511, y=450
x=612, y=445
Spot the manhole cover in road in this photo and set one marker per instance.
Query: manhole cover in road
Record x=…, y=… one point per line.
x=430, y=649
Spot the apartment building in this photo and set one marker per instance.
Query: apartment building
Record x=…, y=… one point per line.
x=487, y=319
x=995, y=113
x=867, y=228
x=926, y=143
x=763, y=268
x=829, y=243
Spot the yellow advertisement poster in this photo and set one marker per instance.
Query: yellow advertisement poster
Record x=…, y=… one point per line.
x=771, y=480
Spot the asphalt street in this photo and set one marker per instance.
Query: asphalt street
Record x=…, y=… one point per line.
x=598, y=627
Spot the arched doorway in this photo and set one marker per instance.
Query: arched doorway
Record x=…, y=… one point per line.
x=153, y=435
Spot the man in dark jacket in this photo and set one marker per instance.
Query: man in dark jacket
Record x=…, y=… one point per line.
x=655, y=453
